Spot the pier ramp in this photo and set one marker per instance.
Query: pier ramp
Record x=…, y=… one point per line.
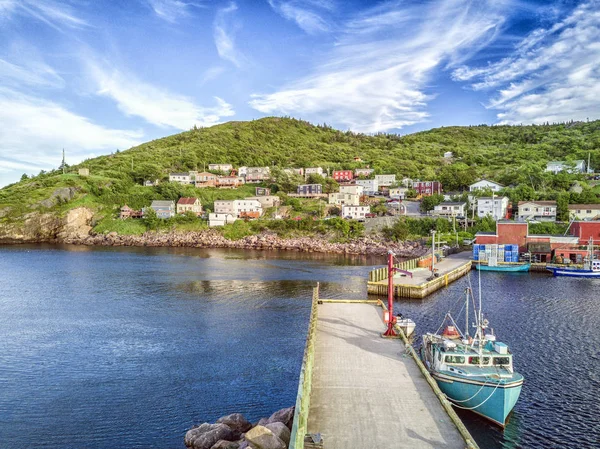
x=366, y=391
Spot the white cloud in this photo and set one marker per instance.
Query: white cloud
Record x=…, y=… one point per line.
x=554, y=74
x=302, y=12
x=224, y=29
x=172, y=10
x=34, y=131
x=52, y=13
x=155, y=105
x=32, y=73
x=377, y=76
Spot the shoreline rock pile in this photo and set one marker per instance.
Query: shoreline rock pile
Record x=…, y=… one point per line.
x=236, y=432
x=264, y=241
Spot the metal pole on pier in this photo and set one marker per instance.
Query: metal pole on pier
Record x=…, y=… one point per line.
x=390, y=329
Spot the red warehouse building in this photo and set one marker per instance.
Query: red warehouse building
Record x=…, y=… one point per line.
x=343, y=175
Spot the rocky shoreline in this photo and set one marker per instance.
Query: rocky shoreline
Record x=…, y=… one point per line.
x=264, y=241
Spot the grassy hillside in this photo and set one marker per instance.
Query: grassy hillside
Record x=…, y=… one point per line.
x=511, y=155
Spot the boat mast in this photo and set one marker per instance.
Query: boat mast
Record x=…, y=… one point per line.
x=467, y=313
x=480, y=326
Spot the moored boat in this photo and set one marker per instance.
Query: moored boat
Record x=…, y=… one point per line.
x=504, y=268
x=591, y=266
x=475, y=373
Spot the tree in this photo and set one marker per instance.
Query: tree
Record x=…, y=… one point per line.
x=24, y=177
x=457, y=176
x=429, y=202
x=151, y=219
x=562, y=206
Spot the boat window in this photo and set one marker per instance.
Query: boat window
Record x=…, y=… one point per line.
x=455, y=359
x=475, y=360
x=501, y=360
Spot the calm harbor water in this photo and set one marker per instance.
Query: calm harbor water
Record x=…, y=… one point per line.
x=129, y=347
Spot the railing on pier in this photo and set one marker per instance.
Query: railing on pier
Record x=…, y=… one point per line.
x=379, y=274
x=305, y=383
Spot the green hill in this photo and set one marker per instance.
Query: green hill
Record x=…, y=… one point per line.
x=511, y=155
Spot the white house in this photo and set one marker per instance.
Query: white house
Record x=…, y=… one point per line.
x=258, y=174
x=558, y=166
x=450, y=209
x=352, y=189
x=485, y=184
x=495, y=207
x=183, y=178
x=341, y=199
x=242, y=171
x=385, y=180
x=313, y=171
x=537, y=210
x=355, y=212
x=398, y=193
x=163, y=209
x=584, y=211
x=407, y=182
x=247, y=207
x=220, y=219
x=370, y=186
x=224, y=207
x=220, y=167
x=294, y=171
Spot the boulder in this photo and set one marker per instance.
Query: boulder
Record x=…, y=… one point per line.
x=263, y=438
x=262, y=421
x=236, y=422
x=285, y=415
x=281, y=430
x=207, y=435
x=224, y=444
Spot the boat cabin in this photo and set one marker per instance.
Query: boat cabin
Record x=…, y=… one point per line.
x=452, y=354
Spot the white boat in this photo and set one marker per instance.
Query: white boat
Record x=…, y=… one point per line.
x=591, y=266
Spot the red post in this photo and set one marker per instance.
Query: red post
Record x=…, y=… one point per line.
x=390, y=330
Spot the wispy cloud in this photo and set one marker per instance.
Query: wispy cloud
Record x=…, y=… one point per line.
x=57, y=15
x=377, y=76
x=154, y=104
x=173, y=10
x=554, y=74
x=304, y=13
x=33, y=131
x=224, y=29
x=32, y=73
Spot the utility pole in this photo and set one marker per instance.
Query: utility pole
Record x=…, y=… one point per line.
x=64, y=164
x=433, y=252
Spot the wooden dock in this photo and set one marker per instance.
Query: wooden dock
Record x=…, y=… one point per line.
x=419, y=286
x=359, y=390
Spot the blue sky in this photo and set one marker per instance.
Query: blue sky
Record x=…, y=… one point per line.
x=97, y=76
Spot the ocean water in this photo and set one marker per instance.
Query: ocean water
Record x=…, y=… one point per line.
x=130, y=347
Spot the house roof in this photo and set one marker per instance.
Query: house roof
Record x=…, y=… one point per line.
x=539, y=203
x=453, y=203
x=205, y=173
x=179, y=174
x=187, y=200
x=161, y=203
x=583, y=206
x=487, y=180
x=562, y=163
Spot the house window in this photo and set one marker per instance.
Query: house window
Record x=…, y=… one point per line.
x=588, y=211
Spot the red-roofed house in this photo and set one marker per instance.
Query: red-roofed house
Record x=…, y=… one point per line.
x=189, y=204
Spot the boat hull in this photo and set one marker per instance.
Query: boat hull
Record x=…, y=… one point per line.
x=505, y=268
x=574, y=273
x=493, y=399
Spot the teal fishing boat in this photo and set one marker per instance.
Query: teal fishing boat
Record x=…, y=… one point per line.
x=474, y=372
x=506, y=268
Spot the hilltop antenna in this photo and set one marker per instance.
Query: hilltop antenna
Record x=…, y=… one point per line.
x=64, y=164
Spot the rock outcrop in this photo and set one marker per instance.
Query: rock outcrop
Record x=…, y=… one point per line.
x=235, y=432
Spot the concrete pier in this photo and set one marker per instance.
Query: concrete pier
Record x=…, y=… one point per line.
x=366, y=391
x=418, y=286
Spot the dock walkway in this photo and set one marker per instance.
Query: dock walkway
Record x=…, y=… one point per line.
x=418, y=286
x=366, y=393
